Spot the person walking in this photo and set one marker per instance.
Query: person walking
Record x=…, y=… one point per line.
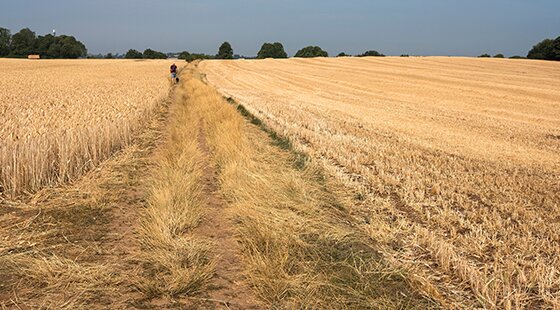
x=173, y=70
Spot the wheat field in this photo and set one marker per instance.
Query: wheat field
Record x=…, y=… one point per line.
x=60, y=118
x=455, y=162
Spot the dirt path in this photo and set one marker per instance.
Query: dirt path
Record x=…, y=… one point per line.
x=227, y=288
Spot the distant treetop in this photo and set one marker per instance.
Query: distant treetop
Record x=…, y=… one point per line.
x=311, y=51
x=225, y=51
x=25, y=42
x=371, y=53
x=272, y=50
x=133, y=54
x=151, y=54
x=547, y=49
x=189, y=57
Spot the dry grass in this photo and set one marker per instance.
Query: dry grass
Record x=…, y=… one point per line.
x=297, y=249
x=60, y=118
x=79, y=283
x=174, y=261
x=456, y=162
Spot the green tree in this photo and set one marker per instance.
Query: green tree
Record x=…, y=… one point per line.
x=109, y=56
x=66, y=47
x=547, y=49
x=484, y=56
x=23, y=42
x=5, y=42
x=225, y=51
x=517, y=57
x=133, y=54
x=184, y=55
x=342, y=54
x=43, y=44
x=499, y=56
x=151, y=54
x=372, y=53
x=311, y=51
x=194, y=56
x=556, y=49
x=272, y=50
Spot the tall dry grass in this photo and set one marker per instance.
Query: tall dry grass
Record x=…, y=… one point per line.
x=60, y=118
x=175, y=261
x=455, y=162
x=297, y=248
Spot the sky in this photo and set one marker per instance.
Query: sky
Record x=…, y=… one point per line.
x=393, y=27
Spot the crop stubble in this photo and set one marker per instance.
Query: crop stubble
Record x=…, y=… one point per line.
x=456, y=160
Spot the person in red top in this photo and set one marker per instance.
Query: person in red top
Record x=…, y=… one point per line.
x=173, y=71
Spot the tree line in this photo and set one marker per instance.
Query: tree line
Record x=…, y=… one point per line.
x=268, y=50
x=25, y=42
x=548, y=49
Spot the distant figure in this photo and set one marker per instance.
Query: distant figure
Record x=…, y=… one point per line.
x=173, y=70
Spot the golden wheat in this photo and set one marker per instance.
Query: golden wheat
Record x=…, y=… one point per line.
x=60, y=118
x=456, y=161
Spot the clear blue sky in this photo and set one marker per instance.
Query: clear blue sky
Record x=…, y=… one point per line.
x=416, y=27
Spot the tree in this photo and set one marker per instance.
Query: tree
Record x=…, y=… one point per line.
x=543, y=50
x=311, y=51
x=184, y=55
x=43, y=44
x=484, y=56
x=342, y=54
x=23, y=42
x=225, y=51
x=517, y=57
x=547, y=49
x=499, y=56
x=5, y=41
x=192, y=57
x=272, y=50
x=371, y=53
x=151, y=54
x=66, y=47
x=556, y=49
x=109, y=56
x=133, y=54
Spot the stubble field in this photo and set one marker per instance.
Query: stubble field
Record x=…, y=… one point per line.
x=455, y=162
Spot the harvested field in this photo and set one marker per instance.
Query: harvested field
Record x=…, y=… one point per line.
x=60, y=118
x=456, y=162
x=203, y=209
